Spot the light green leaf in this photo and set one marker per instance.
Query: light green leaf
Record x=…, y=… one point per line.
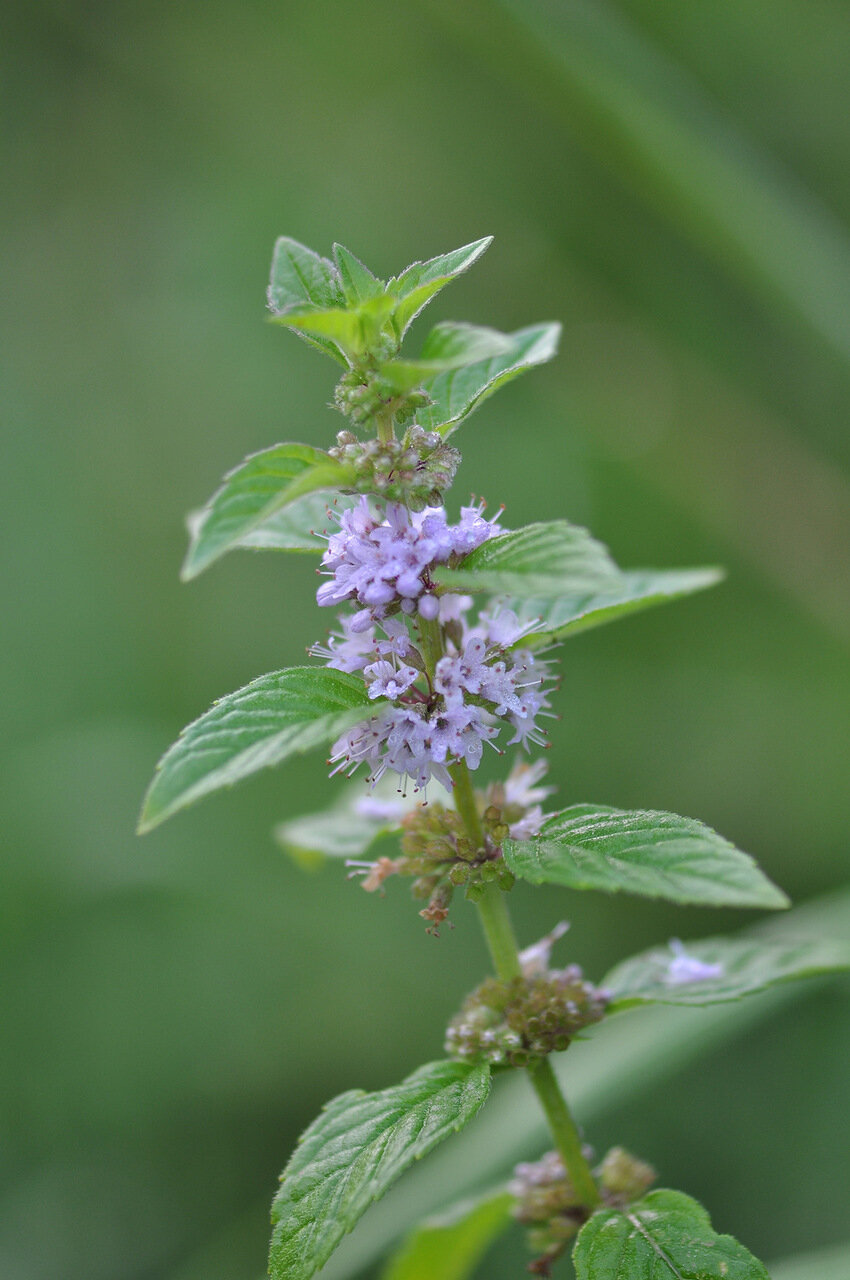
x=664, y=1236
x=357, y=280
x=455, y=393
x=273, y=717
x=825, y=1264
x=740, y=966
x=298, y=526
x=654, y=854
x=635, y=589
x=356, y=1148
x=302, y=278
x=252, y=493
x=358, y=819
x=550, y=559
x=450, y=1246
x=416, y=286
x=448, y=346
x=353, y=330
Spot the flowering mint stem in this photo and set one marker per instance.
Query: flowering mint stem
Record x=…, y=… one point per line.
x=501, y=941
x=432, y=650
x=384, y=421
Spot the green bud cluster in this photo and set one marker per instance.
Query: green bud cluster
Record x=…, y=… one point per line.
x=362, y=393
x=549, y=1205
x=512, y=1024
x=415, y=470
x=438, y=852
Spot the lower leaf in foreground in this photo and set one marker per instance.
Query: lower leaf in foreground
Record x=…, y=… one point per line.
x=271, y=718
x=642, y=851
x=664, y=1236
x=355, y=1150
x=718, y=969
x=450, y=1246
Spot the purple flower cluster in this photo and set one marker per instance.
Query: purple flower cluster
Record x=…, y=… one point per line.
x=381, y=562
x=483, y=681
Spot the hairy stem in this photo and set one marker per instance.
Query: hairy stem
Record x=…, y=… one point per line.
x=431, y=636
x=501, y=941
x=384, y=420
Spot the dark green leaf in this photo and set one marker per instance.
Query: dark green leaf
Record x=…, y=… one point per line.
x=357, y=280
x=455, y=393
x=450, y=1246
x=416, y=286
x=656, y=855
x=256, y=727
x=448, y=346
x=355, y=1150
x=664, y=1236
x=302, y=278
x=541, y=559
x=252, y=493
x=733, y=967
x=635, y=589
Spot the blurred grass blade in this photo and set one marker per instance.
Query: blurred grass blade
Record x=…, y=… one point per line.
x=450, y=1246
x=825, y=1264
x=663, y=136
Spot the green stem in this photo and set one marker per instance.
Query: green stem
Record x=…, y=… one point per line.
x=432, y=646
x=384, y=419
x=502, y=944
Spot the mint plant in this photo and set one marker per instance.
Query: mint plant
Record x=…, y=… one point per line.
x=440, y=649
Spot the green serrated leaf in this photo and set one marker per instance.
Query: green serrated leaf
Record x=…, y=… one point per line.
x=646, y=852
x=456, y=393
x=546, y=558
x=252, y=493
x=302, y=278
x=355, y=1150
x=353, y=330
x=448, y=346
x=450, y=1246
x=269, y=719
x=358, y=282
x=664, y=1236
x=358, y=819
x=723, y=969
x=417, y=285
x=635, y=590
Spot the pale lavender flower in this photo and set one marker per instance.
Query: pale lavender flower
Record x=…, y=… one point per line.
x=387, y=682
x=684, y=968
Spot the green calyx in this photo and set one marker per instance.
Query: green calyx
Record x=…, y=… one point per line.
x=416, y=470
x=518, y=1022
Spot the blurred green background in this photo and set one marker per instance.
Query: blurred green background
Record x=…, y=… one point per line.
x=671, y=180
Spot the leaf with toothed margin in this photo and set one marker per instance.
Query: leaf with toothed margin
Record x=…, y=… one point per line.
x=358, y=282
x=418, y=283
x=448, y=346
x=664, y=1236
x=300, y=277
x=275, y=716
x=301, y=526
x=252, y=493
x=633, y=591
x=355, y=1150
x=349, y=828
x=539, y=559
x=353, y=330
x=641, y=851
x=455, y=393
x=731, y=968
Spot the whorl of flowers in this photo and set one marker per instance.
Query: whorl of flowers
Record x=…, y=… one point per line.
x=382, y=559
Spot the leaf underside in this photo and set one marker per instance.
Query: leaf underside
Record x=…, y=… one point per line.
x=665, y=1236
x=746, y=965
x=355, y=1150
x=450, y=1246
x=275, y=716
x=646, y=852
